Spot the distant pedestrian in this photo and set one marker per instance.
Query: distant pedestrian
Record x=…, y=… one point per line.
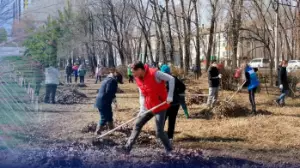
x=195, y=71
x=81, y=73
x=69, y=71
x=283, y=83
x=98, y=73
x=214, y=83
x=52, y=75
x=75, y=70
x=129, y=73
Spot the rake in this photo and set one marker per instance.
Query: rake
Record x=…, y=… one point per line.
x=129, y=121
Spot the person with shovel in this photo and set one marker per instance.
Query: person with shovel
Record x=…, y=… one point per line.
x=214, y=83
x=106, y=96
x=251, y=82
x=173, y=109
x=153, y=95
x=283, y=84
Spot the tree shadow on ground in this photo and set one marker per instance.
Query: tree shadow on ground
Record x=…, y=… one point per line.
x=190, y=138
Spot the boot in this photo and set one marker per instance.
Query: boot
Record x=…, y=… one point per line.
x=186, y=113
x=99, y=129
x=110, y=125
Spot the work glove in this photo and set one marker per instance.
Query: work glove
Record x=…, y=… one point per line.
x=169, y=100
x=220, y=76
x=281, y=86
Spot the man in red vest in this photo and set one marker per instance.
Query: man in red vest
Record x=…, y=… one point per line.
x=152, y=89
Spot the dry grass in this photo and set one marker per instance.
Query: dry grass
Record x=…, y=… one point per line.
x=266, y=138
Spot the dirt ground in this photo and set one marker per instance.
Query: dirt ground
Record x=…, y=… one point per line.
x=54, y=137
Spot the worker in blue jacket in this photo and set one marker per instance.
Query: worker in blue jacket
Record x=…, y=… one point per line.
x=252, y=83
x=107, y=96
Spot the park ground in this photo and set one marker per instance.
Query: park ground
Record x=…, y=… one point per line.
x=270, y=140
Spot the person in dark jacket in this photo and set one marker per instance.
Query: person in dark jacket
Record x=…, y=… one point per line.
x=252, y=83
x=106, y=96
x=283, y=83
x=214, y=83
x=173, y=109
x=69, y=71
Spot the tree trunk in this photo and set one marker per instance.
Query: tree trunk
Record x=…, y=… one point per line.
x=185, y=23
x=178, y=35
x=198, y=63
x=158, y=47
x=210, y=41
x=171, y=49
x=111, y=60
x=159, y=19
x=236, y=25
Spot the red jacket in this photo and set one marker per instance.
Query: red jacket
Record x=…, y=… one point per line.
x=154, y=93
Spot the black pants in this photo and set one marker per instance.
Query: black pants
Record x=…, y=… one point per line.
x=81, y=78
x=69, y=78
x=130, y=78
x=196, y=75
x=252, y=99
x=76, y=77
x=50, y=93
x=98, y=78
x=172, y=115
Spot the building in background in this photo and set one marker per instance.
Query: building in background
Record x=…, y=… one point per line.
x=12, y=11
x=39, y=10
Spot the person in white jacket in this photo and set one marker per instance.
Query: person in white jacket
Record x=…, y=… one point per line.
x=52, y=75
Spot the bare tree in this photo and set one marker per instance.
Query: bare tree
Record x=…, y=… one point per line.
x=171, y=41
x=145, y=23
x=159, y=16
x=213, y=4
x=198, y=63
x=186, y=21
x=179, y=33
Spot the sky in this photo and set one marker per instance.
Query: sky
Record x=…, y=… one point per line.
x=7, y=24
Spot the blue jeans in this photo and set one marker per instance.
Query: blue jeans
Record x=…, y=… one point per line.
x=281, y=98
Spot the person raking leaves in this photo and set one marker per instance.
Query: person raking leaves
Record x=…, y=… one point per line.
x=173, y=109
x=153, y=92
x=107, y=96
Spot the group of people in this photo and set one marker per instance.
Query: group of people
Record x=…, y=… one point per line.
x=77, y=71
x=52, y=79
x=155, y=87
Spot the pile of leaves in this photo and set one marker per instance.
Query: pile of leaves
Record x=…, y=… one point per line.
x=193, y=98
x=67, y=95
x=120, y=136
x=230, y=109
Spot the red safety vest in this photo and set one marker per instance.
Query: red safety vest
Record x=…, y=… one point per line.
x=154, y=93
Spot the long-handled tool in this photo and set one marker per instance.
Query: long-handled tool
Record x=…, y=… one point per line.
x=239, y=88
x=129, y=121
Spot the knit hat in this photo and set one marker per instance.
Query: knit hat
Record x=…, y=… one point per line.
x=165, y=68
